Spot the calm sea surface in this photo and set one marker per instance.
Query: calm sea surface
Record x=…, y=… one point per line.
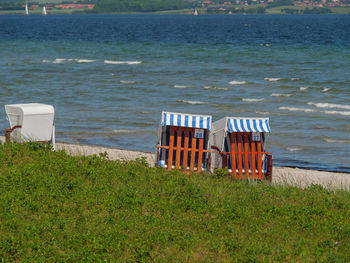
x=110, y=76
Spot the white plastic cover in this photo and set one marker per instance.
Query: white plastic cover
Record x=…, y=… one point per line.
x=37, y=121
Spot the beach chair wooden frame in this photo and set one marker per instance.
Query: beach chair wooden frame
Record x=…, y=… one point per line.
x=183, y=142
x=240, y=145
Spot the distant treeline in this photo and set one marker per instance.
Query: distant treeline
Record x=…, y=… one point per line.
x=140, y=5
x=11, y=6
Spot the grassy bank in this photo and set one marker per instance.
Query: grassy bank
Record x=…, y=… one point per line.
x=59, y=208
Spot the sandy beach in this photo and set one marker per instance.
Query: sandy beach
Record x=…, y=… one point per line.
x=281, y=175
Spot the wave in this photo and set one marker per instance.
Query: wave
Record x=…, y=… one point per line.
x=294, y=149
x=326, y=89
x=303, y=88
x=181, y=87
x=235, y=82
x=122, y=62
x=193, y=102
x=263, y=112
x=252, y=100
x=295, y=79
x=124, y=131
x=273, y=79
x=330, y=140
x=297, y=109
x=127, y=82
x=63, y=60
x=329, y=105
x=85, y=60
x=59, y=60
x=280, y=95
x=214, y=88
x=343, y=113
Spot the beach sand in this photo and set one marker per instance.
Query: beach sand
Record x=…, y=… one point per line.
x=280, y=176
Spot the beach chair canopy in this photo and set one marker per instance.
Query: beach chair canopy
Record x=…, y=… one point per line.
x=35, y=120
x=186, y=120
x=235, y=124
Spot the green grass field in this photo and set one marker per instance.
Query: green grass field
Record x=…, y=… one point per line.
x=59, y=208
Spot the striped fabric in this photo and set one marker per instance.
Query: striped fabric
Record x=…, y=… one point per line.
x=186, y=120
x=248, y=125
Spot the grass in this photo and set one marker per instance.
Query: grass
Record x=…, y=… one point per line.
x=59, y=208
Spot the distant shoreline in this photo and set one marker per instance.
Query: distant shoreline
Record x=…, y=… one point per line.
x=269, y=11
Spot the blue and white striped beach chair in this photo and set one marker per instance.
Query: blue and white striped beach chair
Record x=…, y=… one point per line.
x=185, y=137
x=240, y=145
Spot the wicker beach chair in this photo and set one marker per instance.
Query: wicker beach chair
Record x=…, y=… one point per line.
x=183, y=141
x=30, y=122
x=240, y=147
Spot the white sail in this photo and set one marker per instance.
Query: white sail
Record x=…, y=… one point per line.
x=195, y=12
x=44, y=11
x=26, y=10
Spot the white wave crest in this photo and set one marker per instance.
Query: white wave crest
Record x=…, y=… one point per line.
x=192, y=102
x=329, y=105
x=262, y=112
x=295, y=79
x=235, y=82
x=214, y=88
x=343, y=113
x=59, y=60
x=326, y=89
x=330, y=140
x=297, y=109
x=252, y=100
x=127, y=82
x=293, y=149
x=280, y=95
x=181, y=87
x=273, y=79
x=303, y=88
x=124, y=131
x=85, y=60
x=122, y=62
x=46, y=61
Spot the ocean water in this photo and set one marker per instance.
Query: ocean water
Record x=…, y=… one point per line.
x=110, y=76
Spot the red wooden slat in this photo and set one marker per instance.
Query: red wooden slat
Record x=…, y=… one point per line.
x=178, y=147
x=258, y=143
x=246, y=155
x=193, y=152
x=233, y=154
x=187, y=137
x=200, y=154
x=171, y=148
x=252, y=146
x=239, y=152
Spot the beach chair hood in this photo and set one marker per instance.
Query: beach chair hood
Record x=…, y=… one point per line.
x=36, y=121
x=186, y=120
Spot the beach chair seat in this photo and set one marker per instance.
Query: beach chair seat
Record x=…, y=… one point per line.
x=30, y=122
x=183, y=141
x=240, y=147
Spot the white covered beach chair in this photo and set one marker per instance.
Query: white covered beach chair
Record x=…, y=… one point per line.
x=183, y=141
x=30, y=122
x=240, y=146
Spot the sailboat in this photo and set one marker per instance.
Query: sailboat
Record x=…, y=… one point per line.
x=26, y=10
x=195, y=12
x=44, y=11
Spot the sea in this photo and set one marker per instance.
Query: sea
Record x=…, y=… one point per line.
x=109, y=77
